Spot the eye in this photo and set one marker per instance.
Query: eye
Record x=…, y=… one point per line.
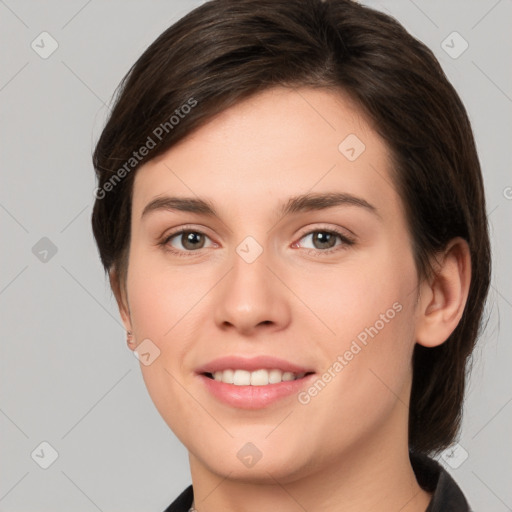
x=189, y=239
x=324, y=241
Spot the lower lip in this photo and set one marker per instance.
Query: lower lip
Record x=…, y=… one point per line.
x=253, y=397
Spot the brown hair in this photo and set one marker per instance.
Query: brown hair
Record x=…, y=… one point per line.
x=226, y=50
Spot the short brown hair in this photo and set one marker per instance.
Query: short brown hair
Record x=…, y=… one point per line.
x=226, y=50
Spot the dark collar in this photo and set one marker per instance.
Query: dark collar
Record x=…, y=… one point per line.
x=432, y=477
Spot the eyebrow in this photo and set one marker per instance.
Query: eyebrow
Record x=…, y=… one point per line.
x=296, y=204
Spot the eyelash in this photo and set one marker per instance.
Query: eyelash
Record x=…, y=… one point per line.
x=346, y=241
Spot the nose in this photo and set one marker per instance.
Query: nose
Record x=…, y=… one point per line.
x=251, y=298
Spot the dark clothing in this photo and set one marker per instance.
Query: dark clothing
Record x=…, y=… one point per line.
x=431, y=476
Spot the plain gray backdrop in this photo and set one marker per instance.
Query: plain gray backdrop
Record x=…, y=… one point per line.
x=68, y=379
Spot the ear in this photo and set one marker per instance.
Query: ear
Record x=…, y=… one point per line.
x=121, y=299
x=443, y=297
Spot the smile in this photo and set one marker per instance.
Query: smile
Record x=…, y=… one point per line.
x=262, y=377
x=254, y=390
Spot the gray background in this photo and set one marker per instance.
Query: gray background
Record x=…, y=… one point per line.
x=67, y=377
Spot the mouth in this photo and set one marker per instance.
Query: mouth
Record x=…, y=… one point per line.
x=253, y=382
x=260, y=377
x=257, y=389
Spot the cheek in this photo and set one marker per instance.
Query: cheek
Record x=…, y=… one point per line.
x=151, y=307
x=161, y=298
x=371, y=308
x=367, y=374
x=161, y=306
x=353, y=295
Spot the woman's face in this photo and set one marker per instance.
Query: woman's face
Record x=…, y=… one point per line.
x=260, y=279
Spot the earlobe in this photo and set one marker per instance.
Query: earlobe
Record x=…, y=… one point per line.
x=442, y=300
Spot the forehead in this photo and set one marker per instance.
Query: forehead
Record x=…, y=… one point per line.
x=278, y=143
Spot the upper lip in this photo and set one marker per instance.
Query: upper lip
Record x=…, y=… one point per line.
x=251, y=364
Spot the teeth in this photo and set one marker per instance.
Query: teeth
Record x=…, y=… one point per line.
x=256, y=378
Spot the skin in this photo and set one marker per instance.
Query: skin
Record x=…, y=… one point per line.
x=347, y=448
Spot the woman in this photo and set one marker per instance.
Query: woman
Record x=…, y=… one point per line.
x=291, y=212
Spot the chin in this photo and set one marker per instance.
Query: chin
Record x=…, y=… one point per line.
x=246, y=462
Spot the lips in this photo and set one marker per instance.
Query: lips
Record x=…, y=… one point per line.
x=254, y=397
x=252, y=364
